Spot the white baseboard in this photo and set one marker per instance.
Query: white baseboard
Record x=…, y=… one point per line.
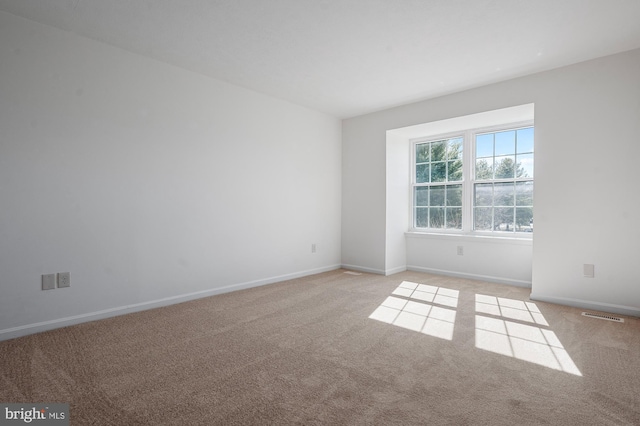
x=395, y=270
x=390, y=271
x=588, y=304
x=499, y=280
x=364, y=269
x=27, y=329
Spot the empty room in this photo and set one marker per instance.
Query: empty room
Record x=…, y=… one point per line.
x=319, y=212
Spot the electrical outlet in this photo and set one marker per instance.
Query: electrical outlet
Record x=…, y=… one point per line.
x=460, y=251
x=64, y=279
x=588, y=270
x=313, y=248
x=49, y=281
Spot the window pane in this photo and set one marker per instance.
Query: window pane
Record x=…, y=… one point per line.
x=503, y=219
x=503, y=194
x=525, y=165
x=505, y=167
x=436, y=196
x=484, y=145
x=422, y=196
x=438, y=172
x=484, y=168
x=506, y=143
x=454, y=171
x=422, y=217
x=422, y=173
x=454, y=218
x=483, y=194
x=438, y=151
x=482, y=218
x=454, y=195
x=436, y=217
x=422, y=153
x=524, y=219
x=524, y=194
x=525, y=140
x=455, y=149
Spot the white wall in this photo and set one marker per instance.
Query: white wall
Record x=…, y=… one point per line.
x=363, y=196
x=502, y=260
x=587, y=119
x=148, y=183
x=587, y=188
x=397, y=202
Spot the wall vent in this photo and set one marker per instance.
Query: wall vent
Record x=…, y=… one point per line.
x=602, y=316
x=352, y=273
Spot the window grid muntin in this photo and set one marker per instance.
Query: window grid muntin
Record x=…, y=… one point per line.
x=499, y=180
x=494, y=155
x=443, y=209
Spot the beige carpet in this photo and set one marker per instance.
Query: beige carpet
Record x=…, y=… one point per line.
x=306, y=352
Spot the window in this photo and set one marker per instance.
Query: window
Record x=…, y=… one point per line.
x=478, y=181
x=438, y=188
x=504, y=165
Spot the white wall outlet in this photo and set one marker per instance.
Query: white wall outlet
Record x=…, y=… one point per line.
x=460, y=251
x=313, y=248
x=64, y=279
x=49, y=281
x=588, y=270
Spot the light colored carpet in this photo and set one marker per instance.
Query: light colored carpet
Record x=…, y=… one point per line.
x=306, y=352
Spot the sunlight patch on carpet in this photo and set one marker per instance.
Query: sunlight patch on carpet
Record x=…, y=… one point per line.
x=510, y=308
x=416, y=309
x=508, y=327
x=531, y=343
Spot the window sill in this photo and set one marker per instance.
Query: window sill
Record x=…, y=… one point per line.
x=493, y=239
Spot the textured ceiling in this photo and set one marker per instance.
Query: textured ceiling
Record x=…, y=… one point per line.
x=350, y=57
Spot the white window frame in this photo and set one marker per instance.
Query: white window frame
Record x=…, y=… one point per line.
x=414, y=184
x=468, y=180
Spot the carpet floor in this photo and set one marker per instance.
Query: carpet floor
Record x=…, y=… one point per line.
x=337, y=348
